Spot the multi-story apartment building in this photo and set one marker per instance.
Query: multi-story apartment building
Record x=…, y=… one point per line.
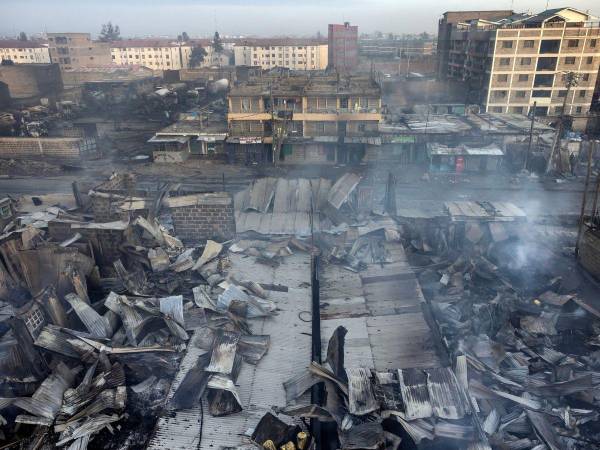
x=24, y=52
x=342, y=42
x=164, y=54
x=304, y=118
x=151, y=53
x=77, y=50
x=449, y=21
x=295, y=54
x=512, y=63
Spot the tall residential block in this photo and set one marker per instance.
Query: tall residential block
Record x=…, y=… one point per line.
x=295, y=54
x=509, y=64
x=342, y=41
x=77, y=50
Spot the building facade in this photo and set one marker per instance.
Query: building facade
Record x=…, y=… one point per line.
x=304, y=119
x=24, y=52
x=449, y=21
x=342, y=41
x=510, y=64
x=165, y=54
x=291, y=54
x=77, y=50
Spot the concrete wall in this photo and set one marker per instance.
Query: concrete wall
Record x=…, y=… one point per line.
x=32, y=80
x=589, y=252
x=61, y=148
x=205, y=216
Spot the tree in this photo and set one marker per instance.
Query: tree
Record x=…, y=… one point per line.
x=110, y=33
x=22, y=36
x=185, y=37
x=424, y=36
x=216, y=44
x=197, y=57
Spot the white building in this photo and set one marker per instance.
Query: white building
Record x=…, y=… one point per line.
x=296, y=54
x=24, y=52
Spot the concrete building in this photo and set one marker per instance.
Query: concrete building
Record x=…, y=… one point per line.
x=24, y=52
x=77, y=50
x=300, y=118
x=449, y=21
x=164, y=54
x=509, y=64
x=342, y=44
x=295, y=54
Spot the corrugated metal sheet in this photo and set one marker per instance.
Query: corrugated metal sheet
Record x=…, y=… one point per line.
x=223, y=354
x=446, y=396
x=413, y=387
x=342, y=188
x=96, y=324
x=361, y=399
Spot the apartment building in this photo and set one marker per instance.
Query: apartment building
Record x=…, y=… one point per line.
x=294, y=54
x=77, y=51
x=164, y=54
x=342, y=42
x=24, y=52
x=507, y=65
x=302, y=118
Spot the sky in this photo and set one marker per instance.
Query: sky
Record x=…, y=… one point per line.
x=200, y=18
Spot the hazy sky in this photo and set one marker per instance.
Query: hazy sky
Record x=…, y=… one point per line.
x=256, y=17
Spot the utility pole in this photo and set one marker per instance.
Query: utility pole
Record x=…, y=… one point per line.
x=571, y=79
x=526, y=163
x=587, y=180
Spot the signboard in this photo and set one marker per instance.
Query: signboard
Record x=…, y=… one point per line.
x=403, y=140
x=250, y=140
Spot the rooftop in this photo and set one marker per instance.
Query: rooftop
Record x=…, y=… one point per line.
x=15, y=43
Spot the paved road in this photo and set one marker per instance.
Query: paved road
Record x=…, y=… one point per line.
x=532, y=197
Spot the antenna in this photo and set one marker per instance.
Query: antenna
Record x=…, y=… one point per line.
x=547, y=3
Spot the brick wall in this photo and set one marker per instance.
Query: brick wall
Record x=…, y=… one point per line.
x=116, y=187
x=62, y=148
x=32, y=80
x=205, y=216
x=589, y=252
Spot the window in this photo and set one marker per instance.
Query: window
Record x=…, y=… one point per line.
x=525, y=61
x=541, y=93
x=589, y=60
x=245, y=104
x=562, y=93
x=518, y=109
x=503, y=78
x=582, y=94
x=520, y=94
x=34, y=320
x=558, y=110
x=528, y=44
x=573, y=43
x=504, y=61
x=578, y=110
x=507, y=44
x=586, y=77
x=570, y=60
x=500, y=94
x=593, y=43
x=523, y=77
x=497, y=109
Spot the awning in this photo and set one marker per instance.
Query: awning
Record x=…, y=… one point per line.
x=244, y=140
x=168, y=139
x=212, y=137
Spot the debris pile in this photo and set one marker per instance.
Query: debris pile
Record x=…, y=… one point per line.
x=97, y=316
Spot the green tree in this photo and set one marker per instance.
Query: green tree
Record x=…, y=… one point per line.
x=22, y=36
x=217, y=44
x=197, y=57
x=110, y=32
x=185, y=37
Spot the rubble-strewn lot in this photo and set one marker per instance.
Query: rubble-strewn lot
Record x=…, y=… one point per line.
x=134, y=318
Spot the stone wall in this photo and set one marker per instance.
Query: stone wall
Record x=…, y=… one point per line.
x=61, y=148
x=199, y=217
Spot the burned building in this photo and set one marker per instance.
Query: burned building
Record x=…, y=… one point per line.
x=28, y=83
x=300, y=118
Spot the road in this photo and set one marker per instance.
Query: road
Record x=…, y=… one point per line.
x=532, y=197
